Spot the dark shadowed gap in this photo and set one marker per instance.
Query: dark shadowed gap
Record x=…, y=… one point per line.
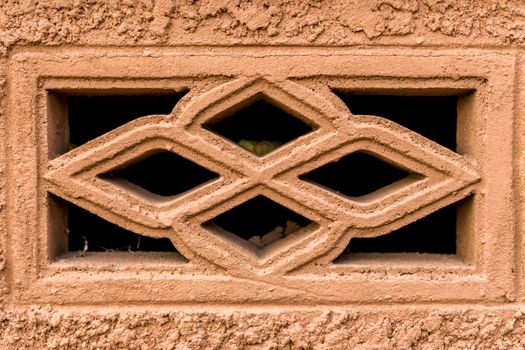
x=259, y=122
x=355, y=175
x=163, y=173
x=92, y=116
x=259, y=216
x=103, y=236
x=434, y=234
x=434, y=117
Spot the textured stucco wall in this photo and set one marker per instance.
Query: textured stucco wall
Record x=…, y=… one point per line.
x=65, y=30
x=461, y=327
x=333, y=22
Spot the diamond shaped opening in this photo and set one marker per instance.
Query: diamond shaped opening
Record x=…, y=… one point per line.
x=163, y=173
x=260, y=221
x=77, y=117
x=356, y=174
x=435, y=233
x=434, y=117
x=82, y=227
x=260, y=127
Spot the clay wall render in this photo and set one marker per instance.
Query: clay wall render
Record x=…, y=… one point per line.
x=218, y=291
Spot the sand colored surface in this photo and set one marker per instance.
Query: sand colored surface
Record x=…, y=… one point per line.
x=295, y=284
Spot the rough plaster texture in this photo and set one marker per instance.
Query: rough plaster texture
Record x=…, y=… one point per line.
x=332, y=22
x=218, y=292
x=269, y=328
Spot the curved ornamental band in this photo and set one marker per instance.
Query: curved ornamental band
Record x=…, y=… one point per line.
x=272, y=171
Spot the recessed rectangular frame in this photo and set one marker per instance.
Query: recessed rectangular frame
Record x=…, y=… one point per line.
x=485, y=135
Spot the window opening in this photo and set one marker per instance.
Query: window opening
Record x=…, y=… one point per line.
x=259, y=221
x=92, y=116
x=434, y=117
x=260, y=127
x=103, y=236
x=435, y=233
x=356, y=174
x=163, y=173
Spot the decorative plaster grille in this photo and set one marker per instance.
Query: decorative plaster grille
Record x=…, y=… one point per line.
x=268, y=184
x=315, y=174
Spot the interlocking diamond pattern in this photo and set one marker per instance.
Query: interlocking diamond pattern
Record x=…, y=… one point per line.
x=445, y=177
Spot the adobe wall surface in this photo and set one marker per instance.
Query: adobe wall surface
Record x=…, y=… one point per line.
x=219, y=295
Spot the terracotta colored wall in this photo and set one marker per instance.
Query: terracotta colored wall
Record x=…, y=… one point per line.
x=218, y=291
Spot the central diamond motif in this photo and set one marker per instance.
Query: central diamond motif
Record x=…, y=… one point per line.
x=259, y=127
